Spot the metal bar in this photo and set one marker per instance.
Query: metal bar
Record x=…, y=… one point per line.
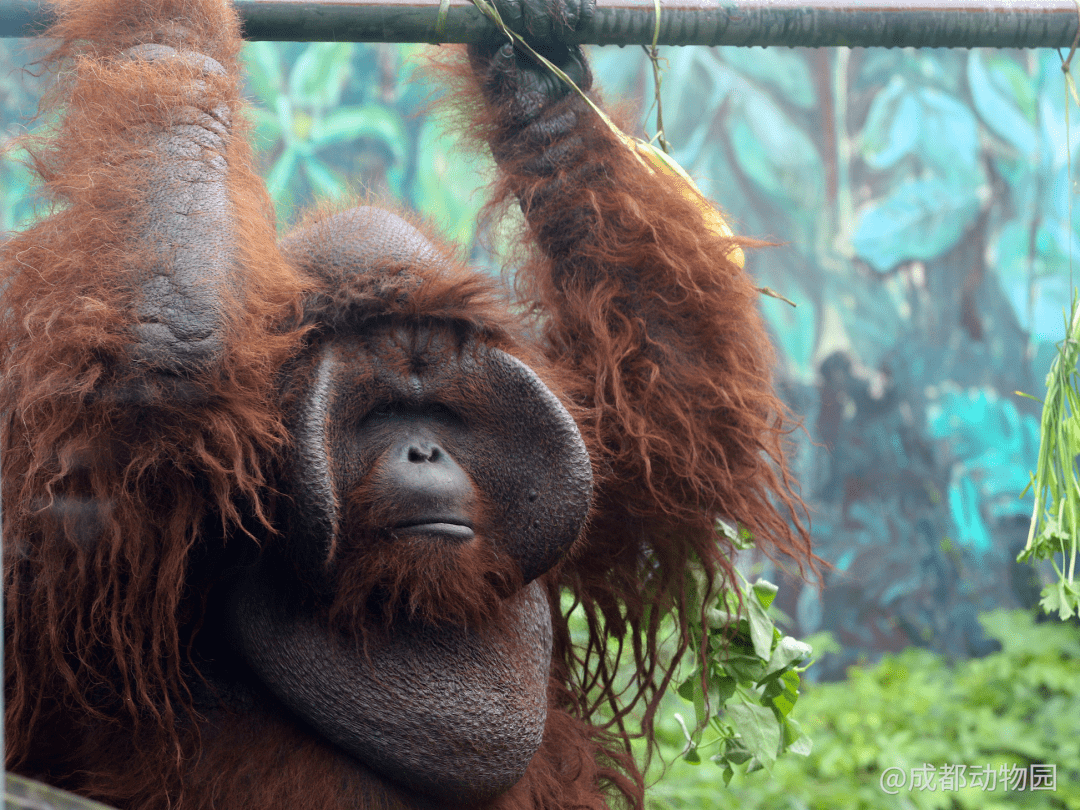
x=822, y=23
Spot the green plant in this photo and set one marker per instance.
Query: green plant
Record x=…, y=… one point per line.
x=1055, y=521
x=745, y=678
x=1015, y=707
x=740, y=674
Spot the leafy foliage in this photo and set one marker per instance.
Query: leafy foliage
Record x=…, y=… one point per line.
x=740, y=673
x=1015, y=707
x=745, y=678
x=1055, y=523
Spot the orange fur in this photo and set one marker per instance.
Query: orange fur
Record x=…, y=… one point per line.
x=92, y=625
x=648, y=332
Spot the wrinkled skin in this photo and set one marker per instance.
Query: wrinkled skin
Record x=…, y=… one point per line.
x=180, y=300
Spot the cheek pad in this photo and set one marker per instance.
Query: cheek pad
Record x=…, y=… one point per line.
x=521, y=447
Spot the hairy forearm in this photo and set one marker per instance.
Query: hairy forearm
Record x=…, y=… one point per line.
x=161, y=251
x=656, y=327
x=152, y=295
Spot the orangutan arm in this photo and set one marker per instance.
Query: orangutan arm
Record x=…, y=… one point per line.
x=656, y=326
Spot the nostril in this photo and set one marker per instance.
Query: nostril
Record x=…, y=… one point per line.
x=419, y=453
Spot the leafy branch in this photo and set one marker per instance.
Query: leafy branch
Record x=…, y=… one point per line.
x=745, y=681
x=1055, y=519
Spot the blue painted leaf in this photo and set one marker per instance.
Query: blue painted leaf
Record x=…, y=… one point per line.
x=796, y=330
x=778, y=157
x=449, y=183
x=780, y=68
x=16, y=210
x=925, y=121
x=919, y=219
x=621, y=70
x=262, y=70
x=279, y=182
x=964, y=510
x=892, y=125
x=997, y=446
x=280, y=176
x=695, y=85
x=1004, y=99
x=1060, y=196
x=268, y=129
x=1009, y=256
x=1052, y=105
x=325, y=182
x=869, y=314
x=376, y=122
x=948, y=136
x=319, y=74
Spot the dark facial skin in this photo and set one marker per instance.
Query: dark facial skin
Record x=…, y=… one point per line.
x=511, y=459
x=434, y=494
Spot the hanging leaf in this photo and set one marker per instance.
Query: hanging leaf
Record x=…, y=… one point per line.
x=758, y=730
x=788, y=651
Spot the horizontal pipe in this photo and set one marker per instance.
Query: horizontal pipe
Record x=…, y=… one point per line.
x=821, y=23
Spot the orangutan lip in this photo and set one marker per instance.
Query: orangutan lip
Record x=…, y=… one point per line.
x=454, y=530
